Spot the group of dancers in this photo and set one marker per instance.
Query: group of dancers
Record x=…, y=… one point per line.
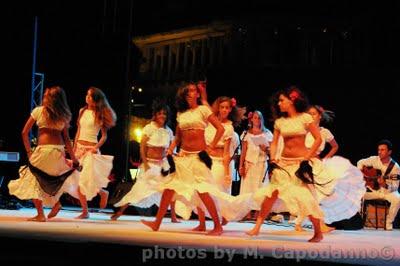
x=191, y=171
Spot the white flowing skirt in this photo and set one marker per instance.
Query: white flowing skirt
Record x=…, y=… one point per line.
x=145, y=192
x=50, y=159
x=296, y=197
x=218, y=172
x=96, y=169
x=256, y=177
x=348, y=190
x=193, y=177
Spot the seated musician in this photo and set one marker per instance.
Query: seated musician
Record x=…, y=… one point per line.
x=387, y=183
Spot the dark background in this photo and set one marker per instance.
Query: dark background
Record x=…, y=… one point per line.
x=86, y=43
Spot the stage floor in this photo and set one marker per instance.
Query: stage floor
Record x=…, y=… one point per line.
x=177, y=241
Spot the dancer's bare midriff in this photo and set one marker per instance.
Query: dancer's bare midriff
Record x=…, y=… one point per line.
x=156, y=153
x=294, y=147
x=48, y=136
x=193, y=140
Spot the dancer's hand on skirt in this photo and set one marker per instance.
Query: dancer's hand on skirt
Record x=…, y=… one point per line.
x=304, y=173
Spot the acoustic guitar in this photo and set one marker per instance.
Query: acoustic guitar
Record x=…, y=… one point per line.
x=371, y=176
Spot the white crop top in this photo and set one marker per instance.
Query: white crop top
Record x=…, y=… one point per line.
x=89, y=130
x=210, y=133
x=158, y=136
x=291, y=126
x=326, y=136
x=194, y=118
x=41, y=120
x=254, y=154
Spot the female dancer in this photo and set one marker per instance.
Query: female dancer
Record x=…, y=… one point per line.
x=96, y=116
x=190, y=182
x=343, y=186
x=224, y=108
x=157, y=137
x=48, y=174
x=292, y=182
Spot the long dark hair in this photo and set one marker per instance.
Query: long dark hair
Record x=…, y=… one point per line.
x=104, y=114
x=160, y=105
x=180, y=102
x=299, y=99
x=327, y=116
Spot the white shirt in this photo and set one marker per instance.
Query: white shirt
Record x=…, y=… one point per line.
x=88, y=129
x=376, y=163
x=211, y=131
x=158, y=136
x=42, y=122
x=326, y=136
x=253, y=153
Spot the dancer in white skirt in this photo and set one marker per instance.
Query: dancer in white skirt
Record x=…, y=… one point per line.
x=343, y=187
x=48, y=174
x=227, y=113
x=253, y=159
x=292, y=180
x=157, y=137
x=192, y=181
x=96, y=116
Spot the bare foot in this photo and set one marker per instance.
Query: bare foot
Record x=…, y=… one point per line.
x=38, y=218
x=174, y=220
x=298, y=228
x=326, y=229
x=83, y=215
x=316, y=238
x=115, y=216
x=199, y=228
x=253, y=232
x=216, y=231
x=224, y=221
x=150, y=224
x=54, y=211
x=103, y=199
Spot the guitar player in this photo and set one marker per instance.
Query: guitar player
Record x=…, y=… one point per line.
x=388, y=187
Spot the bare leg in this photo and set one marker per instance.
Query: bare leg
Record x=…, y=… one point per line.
x=298, y=222
x=117, y=214
x=103, y=198
x=317, y=230
x=56, y=208
x=40, y=217
x=165, y=202
x=210, y=205
x=298, y=228
x=265, y=209
x=202, y=220
x=173, y=214
x=82, y=200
